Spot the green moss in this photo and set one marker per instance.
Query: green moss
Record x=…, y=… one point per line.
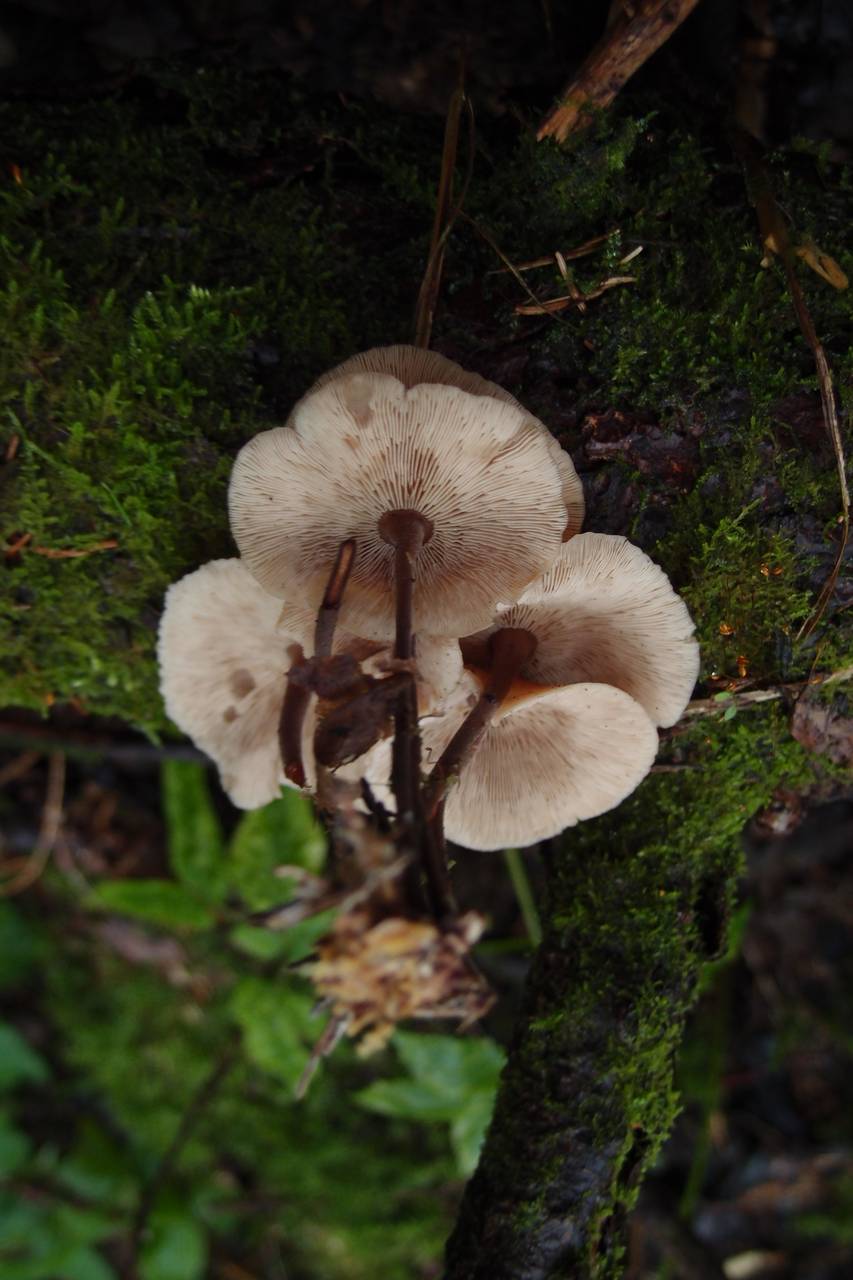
x=179, y=263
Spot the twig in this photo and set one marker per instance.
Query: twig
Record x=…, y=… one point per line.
x=74, y=553
x=774, y=234
x=637, y=32
x=51, y=820
x=445, y=216
x=753, y=697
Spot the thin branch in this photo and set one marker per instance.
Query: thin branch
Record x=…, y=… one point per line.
x=445, y=216
x=774, y=235
x=637, y=32
x=24, y=872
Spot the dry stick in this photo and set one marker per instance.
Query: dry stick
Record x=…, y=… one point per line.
x=510, y=648
x=25, y=872
x=445, y=216
x=754, y=697
x=630, y=40
x=774, y=234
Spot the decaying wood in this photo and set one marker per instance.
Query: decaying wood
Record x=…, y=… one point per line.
x=638, y=30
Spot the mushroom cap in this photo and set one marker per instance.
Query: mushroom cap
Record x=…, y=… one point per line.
x=363, y=445
x=414, y=365
x=604, y=612
x=554, y=759
x=222, y=651
x=223, y=664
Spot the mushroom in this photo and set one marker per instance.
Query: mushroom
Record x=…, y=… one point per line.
x=414, y=365
x=605, y=613
x=549, y=758
x=223, y=654
x=223, y=664
x=461, y=491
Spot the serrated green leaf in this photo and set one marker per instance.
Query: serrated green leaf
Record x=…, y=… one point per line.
x=160, y=902
x=19, y=1064
x=284, y=833
x=277, y=1026
x=196, y=845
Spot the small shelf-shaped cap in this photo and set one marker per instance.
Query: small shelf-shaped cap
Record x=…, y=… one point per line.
x=223, y=673
x=606, y=613
x=363, y=445
x=557, y=757
x=223, y=664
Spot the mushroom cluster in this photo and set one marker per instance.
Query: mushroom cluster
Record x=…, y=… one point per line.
x=413, y=527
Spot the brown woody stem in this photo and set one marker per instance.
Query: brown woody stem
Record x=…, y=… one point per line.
x=509, y=649
x=327, y=618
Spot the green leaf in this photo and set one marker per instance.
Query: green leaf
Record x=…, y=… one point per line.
x=176, y=1249
x=160, y=902
x=451, y=1063
x=469, y=1129
x=196, y=846
x=19, y=1064
x=407, y=1100
x=277, y=1026
x=289, y=945
x=454, y=1081
x=284, y=833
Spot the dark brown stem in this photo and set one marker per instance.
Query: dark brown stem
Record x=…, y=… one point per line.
x=510, y=649
x=297, y=695
x=406, y=531
x=327, y=618
x=292, y=720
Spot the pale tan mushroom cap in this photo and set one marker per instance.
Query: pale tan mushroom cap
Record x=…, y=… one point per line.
x=414, y=365
x=362, y=446
x=606, y=613
x=557, y=758
x=223, y=663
